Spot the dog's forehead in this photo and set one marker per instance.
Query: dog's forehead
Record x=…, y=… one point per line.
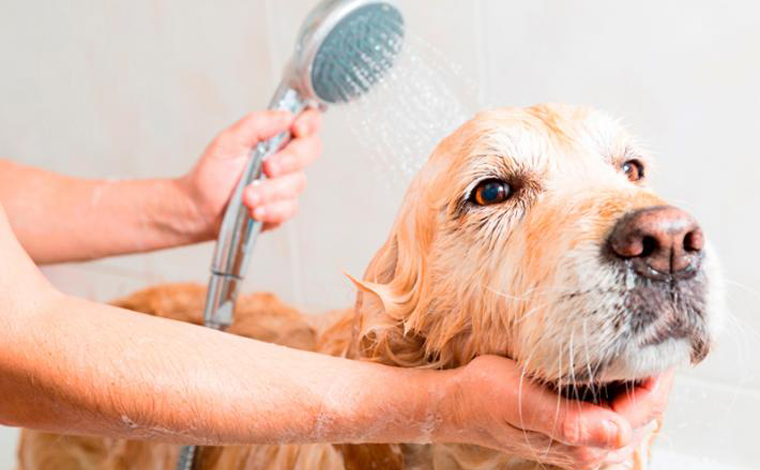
x=556, y=145
x=548, y=134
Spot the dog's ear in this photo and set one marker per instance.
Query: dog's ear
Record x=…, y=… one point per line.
x=382, y=268
x=375, y=297
x=392, y=296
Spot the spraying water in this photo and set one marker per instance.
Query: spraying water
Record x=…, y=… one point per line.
x=422, y=99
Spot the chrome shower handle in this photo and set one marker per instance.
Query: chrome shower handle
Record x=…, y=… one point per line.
x=238, y=231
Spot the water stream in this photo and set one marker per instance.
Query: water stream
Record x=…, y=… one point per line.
x=420, y=100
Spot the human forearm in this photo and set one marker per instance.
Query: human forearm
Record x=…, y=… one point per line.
x=182, y=383
x=58, y=218
x=143, y=377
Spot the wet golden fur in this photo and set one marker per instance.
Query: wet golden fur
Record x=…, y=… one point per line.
x=453, y=282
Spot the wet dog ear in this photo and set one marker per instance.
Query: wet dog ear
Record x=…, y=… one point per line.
x=391, y=298
x=376, y=288
x=376, y=300
x=383, y=266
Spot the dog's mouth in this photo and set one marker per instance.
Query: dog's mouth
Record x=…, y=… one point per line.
x=605, y=393
x=664, y=312
x=599, y=393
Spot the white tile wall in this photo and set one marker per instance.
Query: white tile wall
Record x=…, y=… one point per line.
x=136, y=89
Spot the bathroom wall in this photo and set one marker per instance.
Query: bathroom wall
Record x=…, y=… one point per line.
x=136, y=89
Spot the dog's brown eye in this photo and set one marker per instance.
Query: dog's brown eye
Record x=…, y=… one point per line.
x=490, y=191
x=634, y=170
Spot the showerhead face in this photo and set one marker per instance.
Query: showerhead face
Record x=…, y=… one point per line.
x=346, y=46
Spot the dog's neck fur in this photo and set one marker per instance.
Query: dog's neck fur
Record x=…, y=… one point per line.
x=379, y=335
x=381, y=332
x=400, y=319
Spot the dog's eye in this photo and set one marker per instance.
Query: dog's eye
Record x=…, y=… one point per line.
x=491, y=191
x=633, y=169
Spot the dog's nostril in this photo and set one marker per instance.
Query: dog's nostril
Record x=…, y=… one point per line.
x=649, y=245
x=694, y=241
x=660, y=242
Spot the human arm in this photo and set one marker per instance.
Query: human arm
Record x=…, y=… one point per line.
x=60, y=218
x=76, y=367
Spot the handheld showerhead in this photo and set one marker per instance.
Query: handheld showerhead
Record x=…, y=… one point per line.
x=343, y=48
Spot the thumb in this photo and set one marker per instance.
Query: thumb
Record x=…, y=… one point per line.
x=646, y=401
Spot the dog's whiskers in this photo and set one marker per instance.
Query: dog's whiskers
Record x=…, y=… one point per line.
x=588, y=358
x=744, y=287
x=559, y=398
x=520, y=410
x=572, y=366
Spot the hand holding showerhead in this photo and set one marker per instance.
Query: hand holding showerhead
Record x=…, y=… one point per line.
x=344, y=47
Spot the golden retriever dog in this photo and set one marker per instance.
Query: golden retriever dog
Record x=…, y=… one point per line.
x=529, y=233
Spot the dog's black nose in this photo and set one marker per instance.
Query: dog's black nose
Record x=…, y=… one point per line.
x=662, y=242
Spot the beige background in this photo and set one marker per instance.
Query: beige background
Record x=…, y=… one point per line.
x=136, y=89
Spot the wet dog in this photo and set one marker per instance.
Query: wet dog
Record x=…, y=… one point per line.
x=529, y=233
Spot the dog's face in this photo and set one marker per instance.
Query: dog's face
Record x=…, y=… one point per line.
x=533, y=234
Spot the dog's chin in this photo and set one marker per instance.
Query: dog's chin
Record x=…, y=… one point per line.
x=636, y=363
x=633, y=367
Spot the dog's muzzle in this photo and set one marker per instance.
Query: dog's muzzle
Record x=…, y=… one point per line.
x=662, y=247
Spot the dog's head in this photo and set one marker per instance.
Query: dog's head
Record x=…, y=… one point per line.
x=533, y=234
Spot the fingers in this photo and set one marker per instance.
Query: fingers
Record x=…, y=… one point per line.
x=308, y=123
x=257, y=126
x=298, y=154
x=569, y=457
x=646, y=402
x=588, y=458
x=532, y=407
x=538, y=447
x=305, y=147
x=264, y=192
x=526, y=419
x=276, y=213
x=261, y=125
x=624, y=455
x=572, y=422
x=274, y=201
x=245, y=134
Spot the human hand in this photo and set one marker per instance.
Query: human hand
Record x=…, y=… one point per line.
x=647, y=402
x=272, y=201
x=489, y=403
x=643, y=408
